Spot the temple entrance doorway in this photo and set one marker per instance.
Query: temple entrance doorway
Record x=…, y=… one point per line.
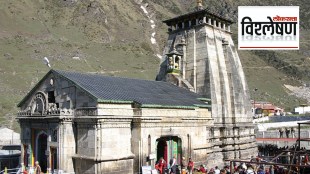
x=41, y=150
x=54, y=161
x=167, y=147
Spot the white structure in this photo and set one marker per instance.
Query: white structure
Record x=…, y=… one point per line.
x=9, y=137
x=302, y=110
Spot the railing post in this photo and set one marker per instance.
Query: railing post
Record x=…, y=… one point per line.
x=5, y=170
x=23, y=167
x=231, y=167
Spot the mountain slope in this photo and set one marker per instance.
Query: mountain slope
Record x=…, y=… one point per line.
x=123, y=38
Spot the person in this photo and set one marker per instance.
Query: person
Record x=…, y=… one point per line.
x=173, y=165
x=271, y=169
x=217, y=170
x=293, y=132
x=160, y=165
x=287, y=132
x=281, y=132
x=223, y=171
x=37, y=168
x=183, y=165
x=211, y=171
x=202, y=169
x=260, y=171
x=227, y=168
x=190, y=166
x=235, y=166
x=250, y=169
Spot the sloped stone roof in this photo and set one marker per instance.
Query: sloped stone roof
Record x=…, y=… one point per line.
x=145, y=93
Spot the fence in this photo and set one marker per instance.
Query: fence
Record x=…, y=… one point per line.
x=10, y=171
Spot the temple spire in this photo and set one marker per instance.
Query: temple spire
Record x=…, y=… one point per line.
x=199, y=5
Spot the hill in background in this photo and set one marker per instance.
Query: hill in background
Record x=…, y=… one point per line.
x=125, y=38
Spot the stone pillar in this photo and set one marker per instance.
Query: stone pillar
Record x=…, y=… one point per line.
x=98, y=145
x=183, y=25
x=195, y=63
x=220, y=25
x=209, y=21
x=184, y=61
x=228, y=28
x=204, y=20
x=136, y=144
x=190, y=23
x=66, y=146
x=49, y=139
x=170, y=28
x=22, y=152
x=224, y=26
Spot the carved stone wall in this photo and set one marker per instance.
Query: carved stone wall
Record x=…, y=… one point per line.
x=213, y=68
x=103, y=144
x=149, y=125
x=58, y=97
x=59, y=136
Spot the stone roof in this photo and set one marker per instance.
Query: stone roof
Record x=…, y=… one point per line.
x=198, y=13
x=144, y=93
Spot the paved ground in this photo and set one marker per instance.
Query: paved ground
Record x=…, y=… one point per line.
x=276, y=139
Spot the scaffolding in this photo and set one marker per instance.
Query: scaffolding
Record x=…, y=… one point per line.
x=297, y=163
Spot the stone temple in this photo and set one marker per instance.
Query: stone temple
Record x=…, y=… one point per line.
x=199, y=108
x=200, y=56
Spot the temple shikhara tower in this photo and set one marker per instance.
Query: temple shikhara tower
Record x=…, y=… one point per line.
x=200, y=56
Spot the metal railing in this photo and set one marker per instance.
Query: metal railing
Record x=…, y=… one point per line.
x=9, y=171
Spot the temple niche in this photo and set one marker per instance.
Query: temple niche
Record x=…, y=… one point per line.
x=174, y=59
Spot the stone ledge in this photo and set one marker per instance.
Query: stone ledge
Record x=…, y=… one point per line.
x=92, y=158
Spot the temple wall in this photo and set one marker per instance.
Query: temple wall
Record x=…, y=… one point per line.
x=86, y=139
x=84, y=166
x=115, y=109
x=104, y=144
x=187, y=125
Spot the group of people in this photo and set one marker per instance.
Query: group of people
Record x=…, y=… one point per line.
x=287, y=132
x=187, y=167
x=162, y=166
x=260, y=169
x=35, y=170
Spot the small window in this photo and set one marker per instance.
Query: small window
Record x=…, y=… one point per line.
x=68, y=104
x=180, y=26
x=39, y=106
x=51, y=97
